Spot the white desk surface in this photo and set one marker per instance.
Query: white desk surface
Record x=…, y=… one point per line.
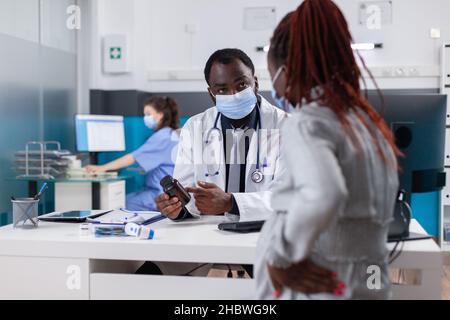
x=428, y=245
x=188, y=241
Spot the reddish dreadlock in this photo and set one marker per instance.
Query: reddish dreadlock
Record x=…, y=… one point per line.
x=315, y=44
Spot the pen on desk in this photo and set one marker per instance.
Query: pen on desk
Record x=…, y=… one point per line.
x=153, y=220
x=41, y=191
x=127, y=211
x=105, y=223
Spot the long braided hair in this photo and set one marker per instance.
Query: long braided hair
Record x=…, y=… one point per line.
x=314, y=42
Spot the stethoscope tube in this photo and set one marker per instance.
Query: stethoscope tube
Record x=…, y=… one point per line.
x=257, y=176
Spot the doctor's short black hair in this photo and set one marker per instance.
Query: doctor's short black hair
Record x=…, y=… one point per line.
x=227, y=56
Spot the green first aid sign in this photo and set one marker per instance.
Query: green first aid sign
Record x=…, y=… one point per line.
x=115, y=53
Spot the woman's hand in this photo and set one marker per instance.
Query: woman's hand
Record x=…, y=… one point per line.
x=94, y=169
x=306, y=277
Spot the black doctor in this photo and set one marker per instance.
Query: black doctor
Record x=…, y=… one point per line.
x=238, y=114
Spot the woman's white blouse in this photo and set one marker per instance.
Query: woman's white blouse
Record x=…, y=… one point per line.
x=334, y=208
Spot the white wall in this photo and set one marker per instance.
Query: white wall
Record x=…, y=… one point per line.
x=53, y=17
x=20, y=18
x=161, y=48
x=36, y=21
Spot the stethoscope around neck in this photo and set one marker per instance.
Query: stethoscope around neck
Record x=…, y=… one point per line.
x=257, y=175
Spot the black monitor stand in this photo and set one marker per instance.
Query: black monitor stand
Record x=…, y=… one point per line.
x=93, y=159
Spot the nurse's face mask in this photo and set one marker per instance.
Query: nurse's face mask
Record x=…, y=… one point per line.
x=150, y=122
x=238, y=105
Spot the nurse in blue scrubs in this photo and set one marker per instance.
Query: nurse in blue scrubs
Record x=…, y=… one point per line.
x=156, y=156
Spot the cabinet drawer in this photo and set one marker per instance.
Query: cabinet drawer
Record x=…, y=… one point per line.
x=445, y=195
x=447, y=147
x=112, y=195
x=113, y=188
x=44, y=278
x=117, y=194
x=116, y=204
x=132, y=286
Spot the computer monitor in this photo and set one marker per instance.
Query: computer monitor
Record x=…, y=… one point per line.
x=97, y=133
x=418, y=122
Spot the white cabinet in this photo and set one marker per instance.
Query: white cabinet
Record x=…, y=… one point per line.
x=42, y=278
x=445, y=194
x=73, y=196
x=79, y=195
x=447, y=148
x=445, y=85
x=105, y=286
x=445, y=198
x=448, y=117
x=112, y=195
x=445, y=66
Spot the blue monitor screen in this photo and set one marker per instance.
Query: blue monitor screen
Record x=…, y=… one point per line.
x=96, y=133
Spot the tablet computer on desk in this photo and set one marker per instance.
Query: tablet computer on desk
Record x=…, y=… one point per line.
x=242, y=227
x=72, y=216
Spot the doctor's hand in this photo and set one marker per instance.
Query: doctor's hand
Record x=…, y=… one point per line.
x=305, y=276
x=169, y=207
x=210, y=199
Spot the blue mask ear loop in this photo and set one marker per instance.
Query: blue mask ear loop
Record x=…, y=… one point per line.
x=277, y=75
x=274, y=80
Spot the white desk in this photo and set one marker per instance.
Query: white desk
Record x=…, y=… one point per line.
x=55, y=262
x=424, y=257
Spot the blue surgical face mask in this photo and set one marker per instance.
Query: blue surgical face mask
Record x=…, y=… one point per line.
x=281, y=102
x=237, y=106
x=150, y=122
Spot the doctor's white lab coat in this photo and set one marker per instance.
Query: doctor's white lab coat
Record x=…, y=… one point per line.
x=194, y=161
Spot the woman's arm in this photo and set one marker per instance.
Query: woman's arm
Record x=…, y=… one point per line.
x=120, y=163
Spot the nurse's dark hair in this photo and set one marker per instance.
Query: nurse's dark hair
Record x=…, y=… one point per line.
x=227, y=56
x=314, y=43
x=169, y=108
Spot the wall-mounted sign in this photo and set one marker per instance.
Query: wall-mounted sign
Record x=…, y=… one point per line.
x=375, y=14
x=115, y=54
x=260, y=18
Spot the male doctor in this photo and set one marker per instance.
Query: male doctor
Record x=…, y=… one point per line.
x=228, y=156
